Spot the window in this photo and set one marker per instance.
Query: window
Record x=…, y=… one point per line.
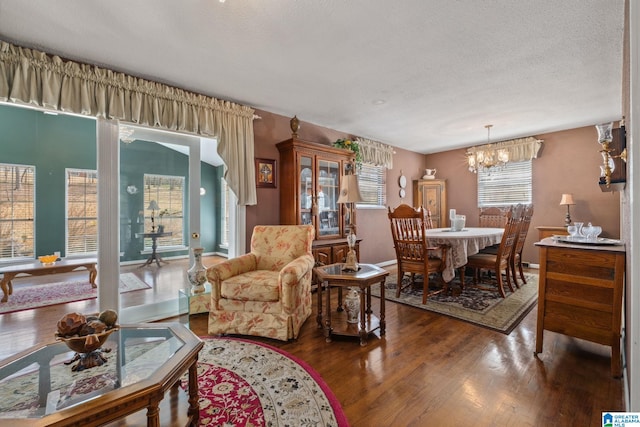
x=17, y=204
x=507, y=185
x=168, y=192
x=82, y=212
x=372, y=182
x=224, y=226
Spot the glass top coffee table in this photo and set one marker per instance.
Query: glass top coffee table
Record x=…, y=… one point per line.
x=143, y=362
x=363, y=279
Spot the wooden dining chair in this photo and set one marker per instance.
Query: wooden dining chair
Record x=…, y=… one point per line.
x=499, y=262
x=414, y=256
x=428, y=222
x=493, y=217
x=515, y=260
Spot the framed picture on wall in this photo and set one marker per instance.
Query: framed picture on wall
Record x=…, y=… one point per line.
x=266, y=173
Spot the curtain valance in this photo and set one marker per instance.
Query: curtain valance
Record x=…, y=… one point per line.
x=518, y=150
x=32, y=77
x=376, y=153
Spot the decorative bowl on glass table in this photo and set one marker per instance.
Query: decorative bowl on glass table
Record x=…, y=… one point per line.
x=48, y=259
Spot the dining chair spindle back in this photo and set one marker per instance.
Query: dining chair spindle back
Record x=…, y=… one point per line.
x=500, y=261
x=516, y=256
x=413, y=254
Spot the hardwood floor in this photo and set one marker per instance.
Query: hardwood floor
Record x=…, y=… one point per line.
x=427, y=370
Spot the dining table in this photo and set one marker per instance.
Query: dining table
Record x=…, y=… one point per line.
x=462, y=244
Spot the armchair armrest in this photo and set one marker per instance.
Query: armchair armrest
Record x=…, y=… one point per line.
x=229, y=268
x=291, y=280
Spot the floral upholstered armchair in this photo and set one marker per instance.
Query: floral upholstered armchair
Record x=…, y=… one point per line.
x=266, y=292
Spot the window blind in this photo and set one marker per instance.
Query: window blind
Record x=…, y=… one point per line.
x=507, y=185
x=168, y=192
x=372, y=183
x=17, y=186
x=82, y=212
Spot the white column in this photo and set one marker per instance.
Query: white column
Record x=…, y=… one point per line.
x=108, y=149
x=194, y=197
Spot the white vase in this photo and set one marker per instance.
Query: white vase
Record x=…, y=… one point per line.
x=352, y=305
x=197, y=274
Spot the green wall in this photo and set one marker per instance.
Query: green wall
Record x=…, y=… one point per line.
x=52, y=143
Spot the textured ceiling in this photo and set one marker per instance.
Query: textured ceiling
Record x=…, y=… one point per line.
x=423, y=75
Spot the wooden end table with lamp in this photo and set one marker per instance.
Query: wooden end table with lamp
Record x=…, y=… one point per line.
x=154, y=246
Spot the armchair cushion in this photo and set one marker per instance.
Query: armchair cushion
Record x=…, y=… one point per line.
x=258, y=285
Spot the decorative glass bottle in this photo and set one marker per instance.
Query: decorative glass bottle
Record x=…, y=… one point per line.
x=197, y=273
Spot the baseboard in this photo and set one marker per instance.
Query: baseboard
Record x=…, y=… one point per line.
x=386, y=263
x=150, y=312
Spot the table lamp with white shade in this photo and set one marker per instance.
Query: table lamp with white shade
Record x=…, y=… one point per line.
x=153, y=207
x=350, y=193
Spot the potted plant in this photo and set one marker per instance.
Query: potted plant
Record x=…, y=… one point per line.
x=351, y=145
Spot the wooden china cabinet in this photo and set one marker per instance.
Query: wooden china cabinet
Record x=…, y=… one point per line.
x=310, y=177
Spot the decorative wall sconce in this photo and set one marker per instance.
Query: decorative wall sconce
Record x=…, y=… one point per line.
x=605, y=139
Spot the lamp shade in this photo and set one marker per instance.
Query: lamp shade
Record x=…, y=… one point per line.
x=567, y=199
x=349, y=190
x=153, y=206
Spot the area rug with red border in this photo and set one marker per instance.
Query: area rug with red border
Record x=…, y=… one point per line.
x=247, y=383
x=33, y=296
x=478, y=306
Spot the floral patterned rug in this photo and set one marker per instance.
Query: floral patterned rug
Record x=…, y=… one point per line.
x=26, y=297
x=246, y=383
x=482, y=307
x=241, y=383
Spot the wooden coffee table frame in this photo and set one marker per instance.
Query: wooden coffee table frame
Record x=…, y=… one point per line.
x=36, y=268
x=121, y=402
x=331, y=275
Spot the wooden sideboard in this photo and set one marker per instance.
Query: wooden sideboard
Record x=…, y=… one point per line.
x=580, y=294
x=549, y=231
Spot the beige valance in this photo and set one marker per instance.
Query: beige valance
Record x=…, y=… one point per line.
x=35, y=78
x=376, y=153
x=518, y=150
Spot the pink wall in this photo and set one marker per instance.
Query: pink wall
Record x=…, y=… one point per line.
x=373, y=225
x=568, y=163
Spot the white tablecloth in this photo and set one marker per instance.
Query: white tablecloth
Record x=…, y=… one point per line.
x=463, y=243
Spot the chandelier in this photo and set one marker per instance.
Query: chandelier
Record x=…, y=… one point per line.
x=126, y=134
x=486, y=156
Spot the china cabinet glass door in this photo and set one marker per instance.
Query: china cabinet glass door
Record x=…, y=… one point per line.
x=327, y=192
x=306, y=190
